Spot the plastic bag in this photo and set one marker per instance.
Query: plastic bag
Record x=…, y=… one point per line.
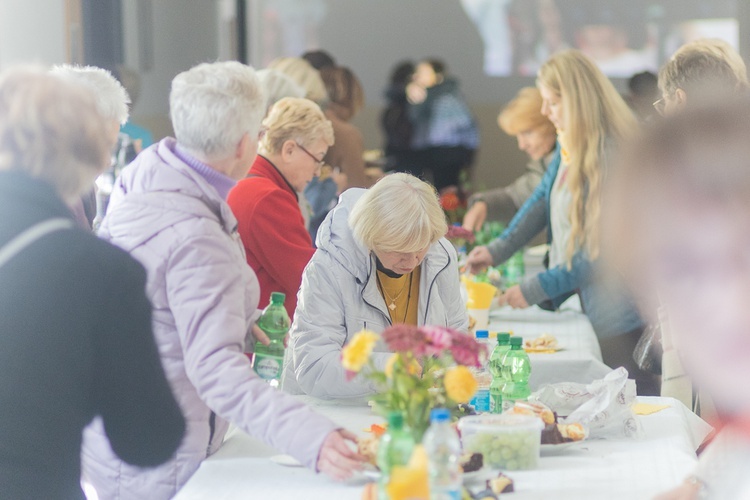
x=603, y=407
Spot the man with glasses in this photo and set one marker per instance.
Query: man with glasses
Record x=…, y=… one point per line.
x=705, y=70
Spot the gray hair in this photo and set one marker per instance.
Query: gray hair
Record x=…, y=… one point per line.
x=51, y=129
x=400, y=213
x=111, y=97
x=304, y=75
x=278, y=86
x=213, y=105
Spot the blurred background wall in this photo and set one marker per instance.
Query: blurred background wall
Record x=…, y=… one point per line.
x=160, y=38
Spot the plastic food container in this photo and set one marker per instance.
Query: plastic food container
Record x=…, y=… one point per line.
x=506, y=442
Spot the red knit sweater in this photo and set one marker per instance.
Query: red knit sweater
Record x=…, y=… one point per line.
x=273, y=231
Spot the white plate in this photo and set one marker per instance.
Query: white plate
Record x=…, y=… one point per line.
x=482, y=474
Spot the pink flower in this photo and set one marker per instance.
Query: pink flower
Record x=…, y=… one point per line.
x=465, y=349
x=458, y=232
x=438, y=339
x=403, y=338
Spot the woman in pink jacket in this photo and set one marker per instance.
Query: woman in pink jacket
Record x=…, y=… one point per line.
x=168, y=211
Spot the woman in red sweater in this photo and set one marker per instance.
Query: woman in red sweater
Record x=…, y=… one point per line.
x=278, y=246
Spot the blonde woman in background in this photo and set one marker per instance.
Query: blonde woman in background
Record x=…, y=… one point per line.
x=296, y=137
x=522, y=118
x=592, y=119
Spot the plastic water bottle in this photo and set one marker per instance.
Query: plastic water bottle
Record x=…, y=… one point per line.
x=268, y=361
x=514, y=270
x=395, y=448
x=443, y=450
x=516, y=369
x=481, y=400
x=496, y=369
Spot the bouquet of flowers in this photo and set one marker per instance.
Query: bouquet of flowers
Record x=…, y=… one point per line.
x=429, y=368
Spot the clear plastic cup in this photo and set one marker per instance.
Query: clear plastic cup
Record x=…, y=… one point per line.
x=506, y=442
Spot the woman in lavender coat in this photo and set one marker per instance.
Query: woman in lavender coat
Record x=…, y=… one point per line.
x=168, y=211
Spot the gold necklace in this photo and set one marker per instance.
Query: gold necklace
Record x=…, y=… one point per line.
x=392, y=305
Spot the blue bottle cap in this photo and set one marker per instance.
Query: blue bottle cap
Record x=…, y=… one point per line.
x=440, y=415
x=482, y=334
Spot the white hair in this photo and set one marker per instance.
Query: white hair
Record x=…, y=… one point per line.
x=212, y=105
x=111, y=97
x=400, y=213
x=278, y=86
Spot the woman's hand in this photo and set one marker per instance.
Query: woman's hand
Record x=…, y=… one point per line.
x=478, y=260
x=336, y=458
x=475, y=217
x=416, y=93
x=514, y=298
x=686, y=491
x=261, y=336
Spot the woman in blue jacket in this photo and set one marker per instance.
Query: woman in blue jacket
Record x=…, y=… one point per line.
x=591, y=119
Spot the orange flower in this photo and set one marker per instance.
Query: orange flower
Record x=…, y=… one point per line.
x=449, y=201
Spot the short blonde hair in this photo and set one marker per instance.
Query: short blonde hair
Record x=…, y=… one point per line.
x=51, y=128
x=524, y=112
x=400, y=213
x=278, y=86
x=295, y=119
x=304, y=75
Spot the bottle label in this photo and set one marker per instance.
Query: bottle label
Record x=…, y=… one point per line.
x=481, y=401
x=496, y=403
x=268, y=367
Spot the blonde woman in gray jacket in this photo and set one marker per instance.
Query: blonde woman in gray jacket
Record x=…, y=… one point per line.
x=381, y=260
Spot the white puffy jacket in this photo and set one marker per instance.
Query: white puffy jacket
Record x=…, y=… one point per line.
x=339, y=297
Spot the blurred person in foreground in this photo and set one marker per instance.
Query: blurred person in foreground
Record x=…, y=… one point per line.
x=112, y=101
x=381, y=260
x=74, y=316
x=168, y=210
x=699, y=73
x=592, y=122
x=536, y=135
x=676, y=227
x=296, y=137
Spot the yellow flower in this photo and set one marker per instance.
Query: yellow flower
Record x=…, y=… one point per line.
x=460, y=384
x=414, y=367
x=355, y=354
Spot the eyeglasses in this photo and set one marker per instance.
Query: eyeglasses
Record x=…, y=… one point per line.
x=660, y=106
x=319, y=162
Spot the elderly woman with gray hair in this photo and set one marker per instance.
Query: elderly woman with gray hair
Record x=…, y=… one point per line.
x=168, y=210
x=381, y=260
x=75, y=322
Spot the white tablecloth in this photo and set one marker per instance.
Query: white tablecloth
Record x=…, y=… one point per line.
x=580, y=359
x=619, y=469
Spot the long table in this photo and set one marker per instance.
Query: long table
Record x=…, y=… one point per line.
x=593, y=469
x=579, y=360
